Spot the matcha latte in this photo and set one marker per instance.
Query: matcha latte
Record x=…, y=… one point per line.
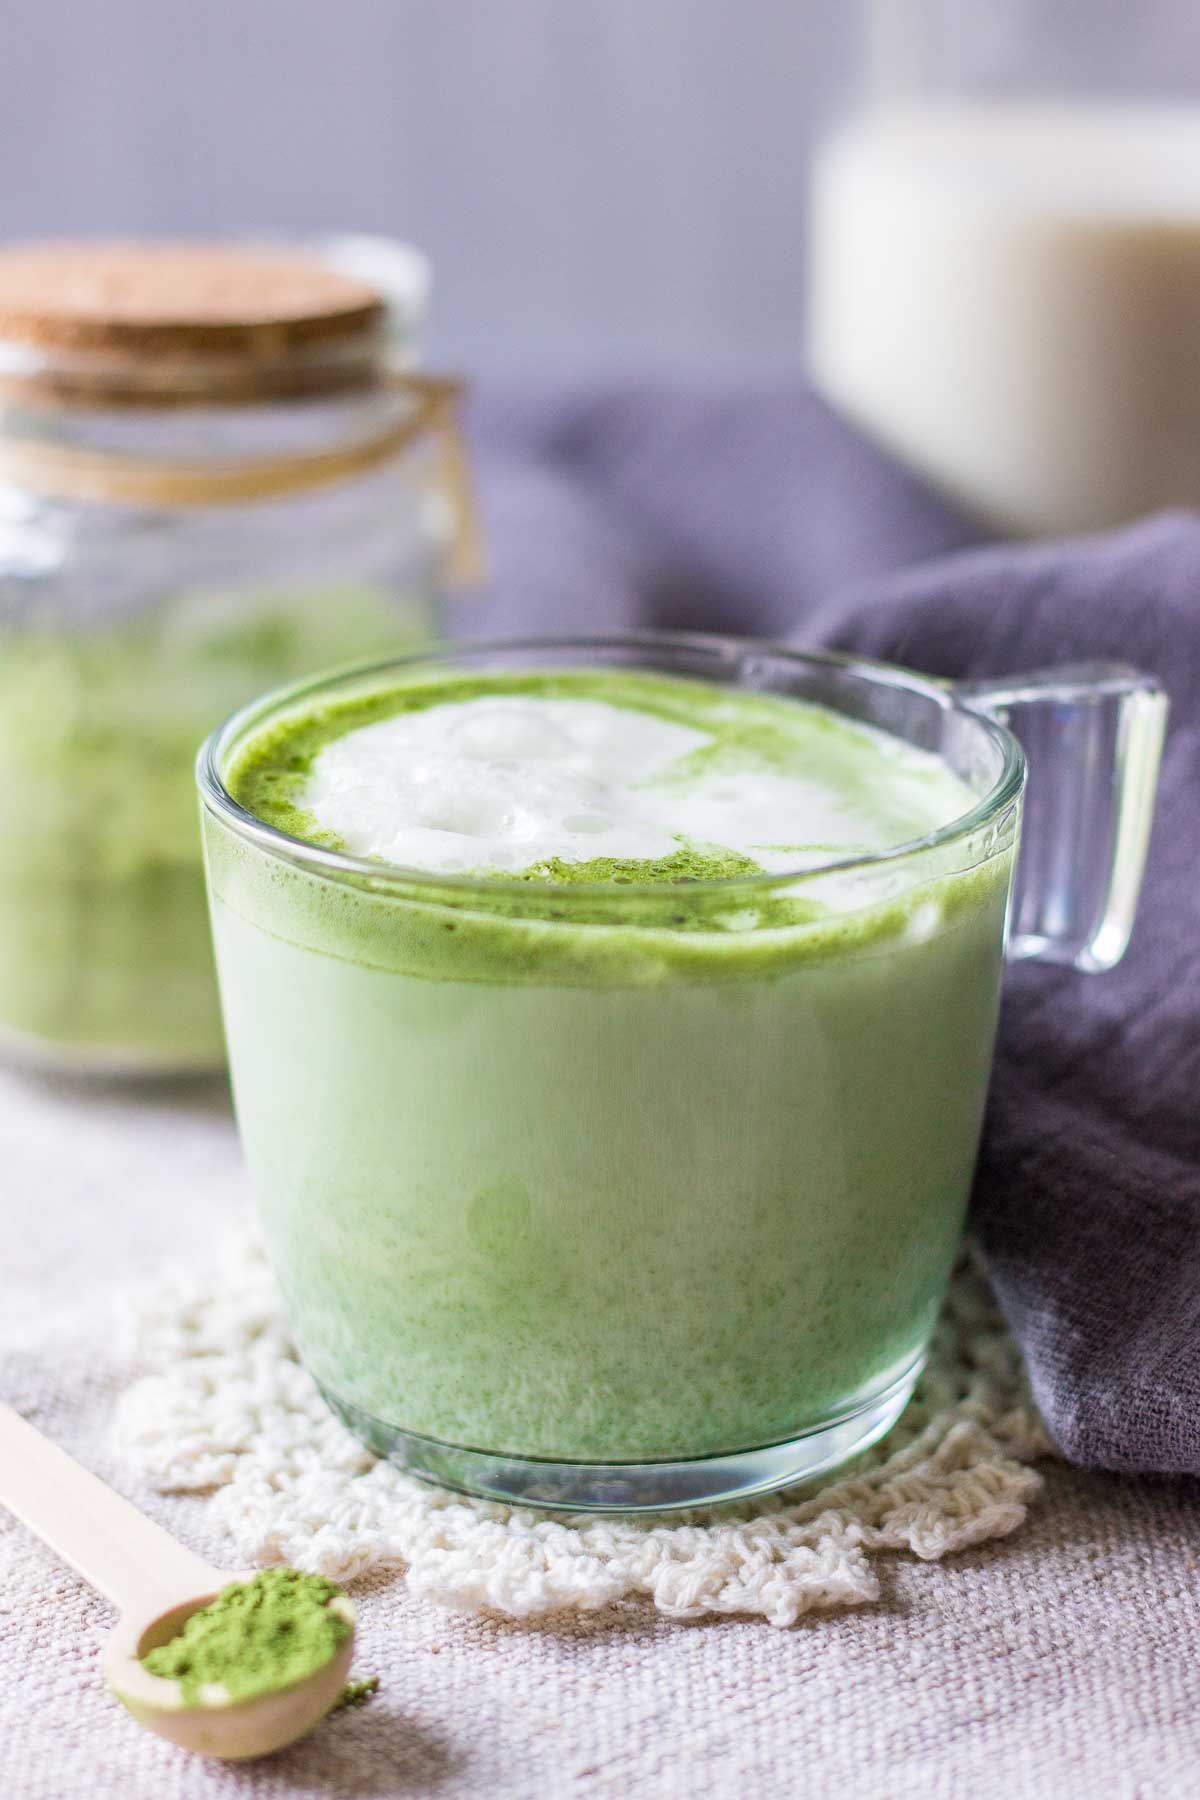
x=610, y=1048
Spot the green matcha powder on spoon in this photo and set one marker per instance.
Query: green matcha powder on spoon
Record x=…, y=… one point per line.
x=233, y=1666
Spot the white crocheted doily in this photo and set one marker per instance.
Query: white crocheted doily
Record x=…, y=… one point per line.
x=230, y=1409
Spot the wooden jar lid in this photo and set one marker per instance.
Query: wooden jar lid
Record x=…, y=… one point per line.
x=186, y=319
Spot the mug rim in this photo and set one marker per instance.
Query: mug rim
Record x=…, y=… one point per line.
x=728, y=648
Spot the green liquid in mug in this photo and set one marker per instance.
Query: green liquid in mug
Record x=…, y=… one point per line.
x=581, y=1177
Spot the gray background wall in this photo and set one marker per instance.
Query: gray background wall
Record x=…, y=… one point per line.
x=598, y=181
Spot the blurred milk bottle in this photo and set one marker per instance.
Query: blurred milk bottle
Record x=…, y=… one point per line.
x=1005, y=254
x=220, y=469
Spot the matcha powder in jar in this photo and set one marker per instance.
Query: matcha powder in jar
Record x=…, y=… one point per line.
x=219, y=470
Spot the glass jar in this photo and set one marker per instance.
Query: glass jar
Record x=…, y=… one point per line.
x=215, y=473
x=1005, y=255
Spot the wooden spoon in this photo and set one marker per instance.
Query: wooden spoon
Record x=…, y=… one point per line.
x=156, y=1585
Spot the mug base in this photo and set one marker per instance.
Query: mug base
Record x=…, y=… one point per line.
x=635, y=1487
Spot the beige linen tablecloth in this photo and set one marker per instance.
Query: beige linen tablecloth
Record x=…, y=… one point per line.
x=1060, y=1662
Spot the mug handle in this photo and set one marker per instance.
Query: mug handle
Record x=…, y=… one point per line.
x=1092, y=734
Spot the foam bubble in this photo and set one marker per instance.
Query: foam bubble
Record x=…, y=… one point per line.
x=503, y=783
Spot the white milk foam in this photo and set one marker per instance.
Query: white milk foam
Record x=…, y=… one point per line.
x=504, y=783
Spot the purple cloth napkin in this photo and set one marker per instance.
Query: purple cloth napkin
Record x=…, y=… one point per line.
x=762, y=512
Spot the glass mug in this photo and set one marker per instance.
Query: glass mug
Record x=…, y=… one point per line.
x=579, y=1198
